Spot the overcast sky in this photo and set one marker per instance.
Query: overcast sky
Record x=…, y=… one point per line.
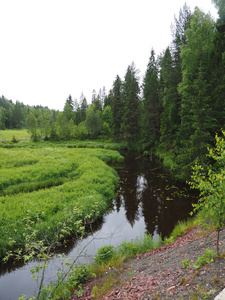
x=53, y=48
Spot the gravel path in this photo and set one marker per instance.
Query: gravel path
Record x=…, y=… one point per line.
x=159, y=274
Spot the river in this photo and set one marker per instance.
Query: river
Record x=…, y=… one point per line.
x=148, y=201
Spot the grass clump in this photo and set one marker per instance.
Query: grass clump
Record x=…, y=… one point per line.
x=105, y=254
x=109, y=261
x=181, y=229
x=140, y=245
x=108, y=255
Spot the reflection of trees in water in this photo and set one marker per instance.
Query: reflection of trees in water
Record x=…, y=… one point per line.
x=131, y=202
x=147, y=190
x=149, y=209
x=130, y=190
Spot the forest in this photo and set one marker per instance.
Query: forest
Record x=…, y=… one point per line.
x=175, y=112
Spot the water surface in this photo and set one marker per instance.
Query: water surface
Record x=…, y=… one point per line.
x=148, y=201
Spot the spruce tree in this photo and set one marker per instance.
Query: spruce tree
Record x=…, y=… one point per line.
x=172, y=75
x=151, y=103
x=83, y=107
x=169, y=101
x=218, y=68
x=117, y=105
x=196, y=114
x=131, y=115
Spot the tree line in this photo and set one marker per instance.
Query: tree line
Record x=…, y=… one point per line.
x=175, y=110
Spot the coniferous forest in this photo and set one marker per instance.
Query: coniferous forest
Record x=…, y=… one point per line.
x=175, y=111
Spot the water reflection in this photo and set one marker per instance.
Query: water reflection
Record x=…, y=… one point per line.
x=148, y=201
x=148, y=192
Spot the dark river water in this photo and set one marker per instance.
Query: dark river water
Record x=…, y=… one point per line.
x=148, y=201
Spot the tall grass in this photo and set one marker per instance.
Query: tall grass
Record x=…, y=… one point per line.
x=52, y=185
x=19, y=134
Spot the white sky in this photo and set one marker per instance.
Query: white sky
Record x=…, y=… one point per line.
x=53, y=48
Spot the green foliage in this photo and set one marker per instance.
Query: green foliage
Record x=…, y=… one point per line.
x=104, y=254
x=130, y=125
x=14, y=140
x=63, y=290
x=108, y=255
x=197, y=117
x=178, y=110
x=205, y=258
x=220, y=5
x=151, y=103
x=180, y=229
x=185, y=263
x=93, y=121
x=117, y=104
x=210, y=181
x=52, y=183
x=138, y=246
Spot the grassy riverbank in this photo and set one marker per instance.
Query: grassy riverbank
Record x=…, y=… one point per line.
x=50, y=185
x=168, y=271
x=105, y=273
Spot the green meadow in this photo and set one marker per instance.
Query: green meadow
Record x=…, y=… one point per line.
x=50, y=185
x=20, y=134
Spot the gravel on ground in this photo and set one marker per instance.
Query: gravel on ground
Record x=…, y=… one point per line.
x=161, y=273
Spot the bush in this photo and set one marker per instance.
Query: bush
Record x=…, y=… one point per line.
x=104, y=254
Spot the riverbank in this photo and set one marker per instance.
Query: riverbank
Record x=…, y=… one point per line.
x=162, y=273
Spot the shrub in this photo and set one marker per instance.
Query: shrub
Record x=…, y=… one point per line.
x=104, y=254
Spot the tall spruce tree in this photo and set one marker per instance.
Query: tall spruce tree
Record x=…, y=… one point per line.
x=152, y=107
x=170, y=77
x=68, y=109
x=117, y=105
x=169, y=120
x=218, y=67
x=131, y=115
x=83, y=107
x=181, y=24
x=195, y=89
